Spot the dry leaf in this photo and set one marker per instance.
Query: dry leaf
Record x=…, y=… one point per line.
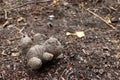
x=114, y=41
x=3, y=52
x=15, y=54
x=36, y=12
x=56, y=3
x=117, y=55
x=77, y=33
x=68, y=33
x=20, y=19
x=108, y=18
x=118, y=47
x=80, y=34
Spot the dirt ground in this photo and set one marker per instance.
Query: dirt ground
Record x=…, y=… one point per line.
x=96, y=56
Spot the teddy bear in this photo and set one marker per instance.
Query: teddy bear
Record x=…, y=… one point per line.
x=40, y=51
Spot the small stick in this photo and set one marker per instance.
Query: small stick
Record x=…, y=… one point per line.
x=20, y=30
x=6, y=15
x=69, y=75
x=62, y=74
x=99, y=17
x=85, y=52
x=33, y=2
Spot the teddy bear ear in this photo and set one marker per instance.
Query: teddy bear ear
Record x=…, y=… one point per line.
x=39, y=38
x=34, y=63
x=52, y=40
x=47, y=56
x=25, y=42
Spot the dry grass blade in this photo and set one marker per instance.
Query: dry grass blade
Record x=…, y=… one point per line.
x=31, y=2
x=99, y=17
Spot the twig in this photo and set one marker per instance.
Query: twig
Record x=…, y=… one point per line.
x=84, y=51
x=33, y=2
x=62, y=74
x=50, y=77
x=13, y=39
x=69, y=75
x=6, y=15
x=99, y=17
x=20, y=30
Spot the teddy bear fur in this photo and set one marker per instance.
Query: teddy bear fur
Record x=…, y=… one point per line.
x=43, y=52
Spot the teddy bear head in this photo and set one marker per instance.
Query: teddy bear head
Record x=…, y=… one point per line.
x=53, y=46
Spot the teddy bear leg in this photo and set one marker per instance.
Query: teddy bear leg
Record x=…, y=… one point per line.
x=47, y=56
x=34, y=63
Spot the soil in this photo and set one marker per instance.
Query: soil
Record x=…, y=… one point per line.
x=96, y=56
